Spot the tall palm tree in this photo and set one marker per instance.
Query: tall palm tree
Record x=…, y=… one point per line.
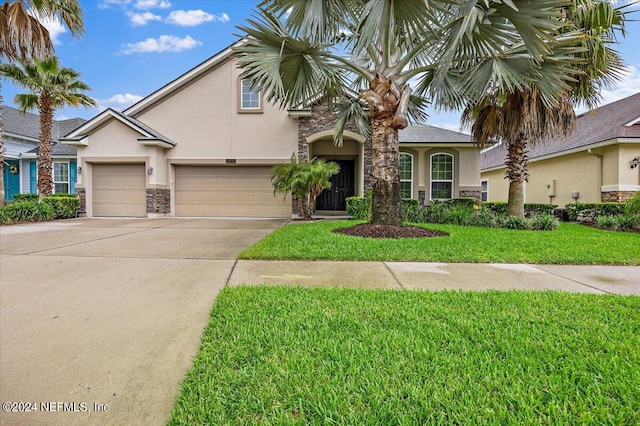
x=518, y=117
x=23, y=35
x=398, y=55
x=50, y=87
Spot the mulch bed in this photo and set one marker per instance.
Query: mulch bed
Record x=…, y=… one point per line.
x=384, y=231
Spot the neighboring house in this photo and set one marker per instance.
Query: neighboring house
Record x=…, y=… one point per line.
x=20, y=137
x=596, y=163
x=205, y=145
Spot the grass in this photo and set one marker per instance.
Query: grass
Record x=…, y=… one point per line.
x=569, y=244
x=280, y=355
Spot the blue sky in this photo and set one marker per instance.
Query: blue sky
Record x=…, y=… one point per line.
x=133, y=47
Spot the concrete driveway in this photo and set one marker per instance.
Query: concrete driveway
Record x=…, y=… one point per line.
x=99, y=319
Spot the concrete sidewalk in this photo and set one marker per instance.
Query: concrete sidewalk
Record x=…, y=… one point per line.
x=440, y=276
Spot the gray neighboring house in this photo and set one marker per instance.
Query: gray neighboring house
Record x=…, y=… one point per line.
x=20, y=135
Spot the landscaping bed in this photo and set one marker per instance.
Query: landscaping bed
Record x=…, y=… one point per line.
x=280, y=355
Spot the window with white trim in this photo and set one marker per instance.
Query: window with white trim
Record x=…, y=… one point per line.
x=485, y=190
x=60, y=177
x=441, y=176
x=249, y=98
x=406, y=175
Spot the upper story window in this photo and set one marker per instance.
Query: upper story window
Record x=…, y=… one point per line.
x=406, y=175
x=441, y=176
x=249, y=98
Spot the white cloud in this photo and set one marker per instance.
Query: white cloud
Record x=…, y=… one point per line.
x=191, y=18
x=119, y=101
x=152, y=4
x=106, y=4
x=164, y=43
x=139, y=19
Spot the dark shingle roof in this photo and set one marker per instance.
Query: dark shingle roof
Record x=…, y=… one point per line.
x=28, y=124
x=599, y=125
x=422, y=133
x=58, y=149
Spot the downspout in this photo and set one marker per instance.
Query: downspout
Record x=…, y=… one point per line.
x=601, y=171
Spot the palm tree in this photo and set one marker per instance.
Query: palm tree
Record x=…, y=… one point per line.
x=305, y=180
x=51, y=87
x=398, y=55
x=519, y=118
x=23, y=35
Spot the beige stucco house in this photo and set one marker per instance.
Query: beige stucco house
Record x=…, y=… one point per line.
x=598, y=163
x=205, y=145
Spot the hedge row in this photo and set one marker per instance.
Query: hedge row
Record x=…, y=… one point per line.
x=26, y=208
x=593, y=210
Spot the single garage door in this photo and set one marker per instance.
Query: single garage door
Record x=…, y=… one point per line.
x=119, y=190
x=234, y=191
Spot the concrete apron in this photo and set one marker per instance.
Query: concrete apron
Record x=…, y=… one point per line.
x=99, y=319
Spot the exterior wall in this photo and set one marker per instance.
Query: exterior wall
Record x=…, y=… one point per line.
x=602, y=175
x=203, y=119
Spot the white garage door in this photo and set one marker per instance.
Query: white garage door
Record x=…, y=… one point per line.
x=233, y=191
x=119, y=190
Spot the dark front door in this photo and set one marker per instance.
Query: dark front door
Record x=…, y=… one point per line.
x=342, y=186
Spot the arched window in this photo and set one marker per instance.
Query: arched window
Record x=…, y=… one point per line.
x=406, y=175
x=441, y=176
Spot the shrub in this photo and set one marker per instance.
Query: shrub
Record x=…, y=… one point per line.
x=468, y=202
x=513, y=222
x=359, y=207
x=544, y=222
x=632, y=206
x=25, y=197
x=537, y=209
x=26, y=211
x=483, y=217
x=626, y=223
x=498, y=207
x=606, y=222
x=593, y=210
x=64, y=207
x=458, y=215
x=436, y=212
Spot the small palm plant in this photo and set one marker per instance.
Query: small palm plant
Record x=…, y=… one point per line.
x=305, y=180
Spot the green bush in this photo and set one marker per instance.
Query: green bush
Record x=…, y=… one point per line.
x=627, y=223
x=544, y=222
x=632, y=206
x=436, y=212
x=359, y=207
x=537, y=209
x=26, y=211
x=606, y=222
x=498, y=207
x=458, y=215
x=512, y=222
x=594, y=210
x=468, y=202
x=483, y=217
x=25, y=197
x=61, y=194
x=64, y=207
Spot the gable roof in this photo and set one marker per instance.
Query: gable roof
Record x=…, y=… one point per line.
x=617, y=120
x=423, y=133
x=27, y=125
x=149, y=135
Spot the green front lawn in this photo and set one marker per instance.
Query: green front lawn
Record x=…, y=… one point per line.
x=279, y=355
x=569, y=244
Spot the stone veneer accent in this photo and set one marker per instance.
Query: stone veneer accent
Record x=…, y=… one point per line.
x=616, y=196
x=82, y=194
x=472, y=194
x=158, y=200
x=323, y=119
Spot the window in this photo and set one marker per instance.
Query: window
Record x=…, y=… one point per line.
x=441, y=176
x=485, y=190
x=249, y=98
x=406, y=175
x=60, y=177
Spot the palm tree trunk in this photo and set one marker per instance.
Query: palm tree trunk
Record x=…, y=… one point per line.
x=45, y=175
x=386, y=207
x=517, y=174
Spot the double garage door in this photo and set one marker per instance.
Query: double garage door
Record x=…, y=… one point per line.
x=120, y=190
x=234, y=191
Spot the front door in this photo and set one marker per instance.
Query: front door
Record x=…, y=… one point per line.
x=11, y=179
x=342, y=187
